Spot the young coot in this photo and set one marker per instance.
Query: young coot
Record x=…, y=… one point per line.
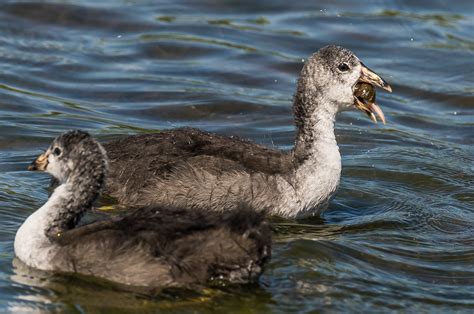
x=149, y=247
x=196, y=169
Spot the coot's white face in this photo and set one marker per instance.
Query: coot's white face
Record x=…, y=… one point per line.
x=58, y=166
x=336, y=71
x=69, y=152
x=54, y=162
x=333, y=71
x=340, y=91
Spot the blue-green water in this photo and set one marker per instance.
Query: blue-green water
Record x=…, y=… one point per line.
x=398, y=236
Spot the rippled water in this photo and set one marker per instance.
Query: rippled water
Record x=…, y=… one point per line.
x=398, y=236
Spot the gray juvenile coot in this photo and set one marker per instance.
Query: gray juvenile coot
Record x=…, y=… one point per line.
x=149, y=247
x=196, y=169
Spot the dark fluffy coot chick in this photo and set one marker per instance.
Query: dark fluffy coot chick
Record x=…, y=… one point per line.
x=149, y=247
x=196, y=169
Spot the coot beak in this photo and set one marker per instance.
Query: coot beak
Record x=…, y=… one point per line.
x=369, y=76
x=364, y=93
x=40, y=163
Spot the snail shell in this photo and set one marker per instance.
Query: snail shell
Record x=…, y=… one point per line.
x=365, y=91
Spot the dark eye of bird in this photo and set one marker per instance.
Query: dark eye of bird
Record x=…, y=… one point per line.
x=57, y=151
x=343, y=67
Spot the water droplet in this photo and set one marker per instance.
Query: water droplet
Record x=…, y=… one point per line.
x=455, y=113
x=276, y=81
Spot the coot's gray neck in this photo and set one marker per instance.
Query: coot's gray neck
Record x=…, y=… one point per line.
x=316, y=155
x=75, y=196
x=314, y=119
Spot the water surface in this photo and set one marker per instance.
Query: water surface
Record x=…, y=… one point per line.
x=398, y=235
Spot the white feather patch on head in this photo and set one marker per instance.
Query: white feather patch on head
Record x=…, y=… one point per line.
x=54, y=168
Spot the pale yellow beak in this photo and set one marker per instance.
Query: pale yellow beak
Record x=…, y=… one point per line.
x=369, y=76
x=40, y=163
